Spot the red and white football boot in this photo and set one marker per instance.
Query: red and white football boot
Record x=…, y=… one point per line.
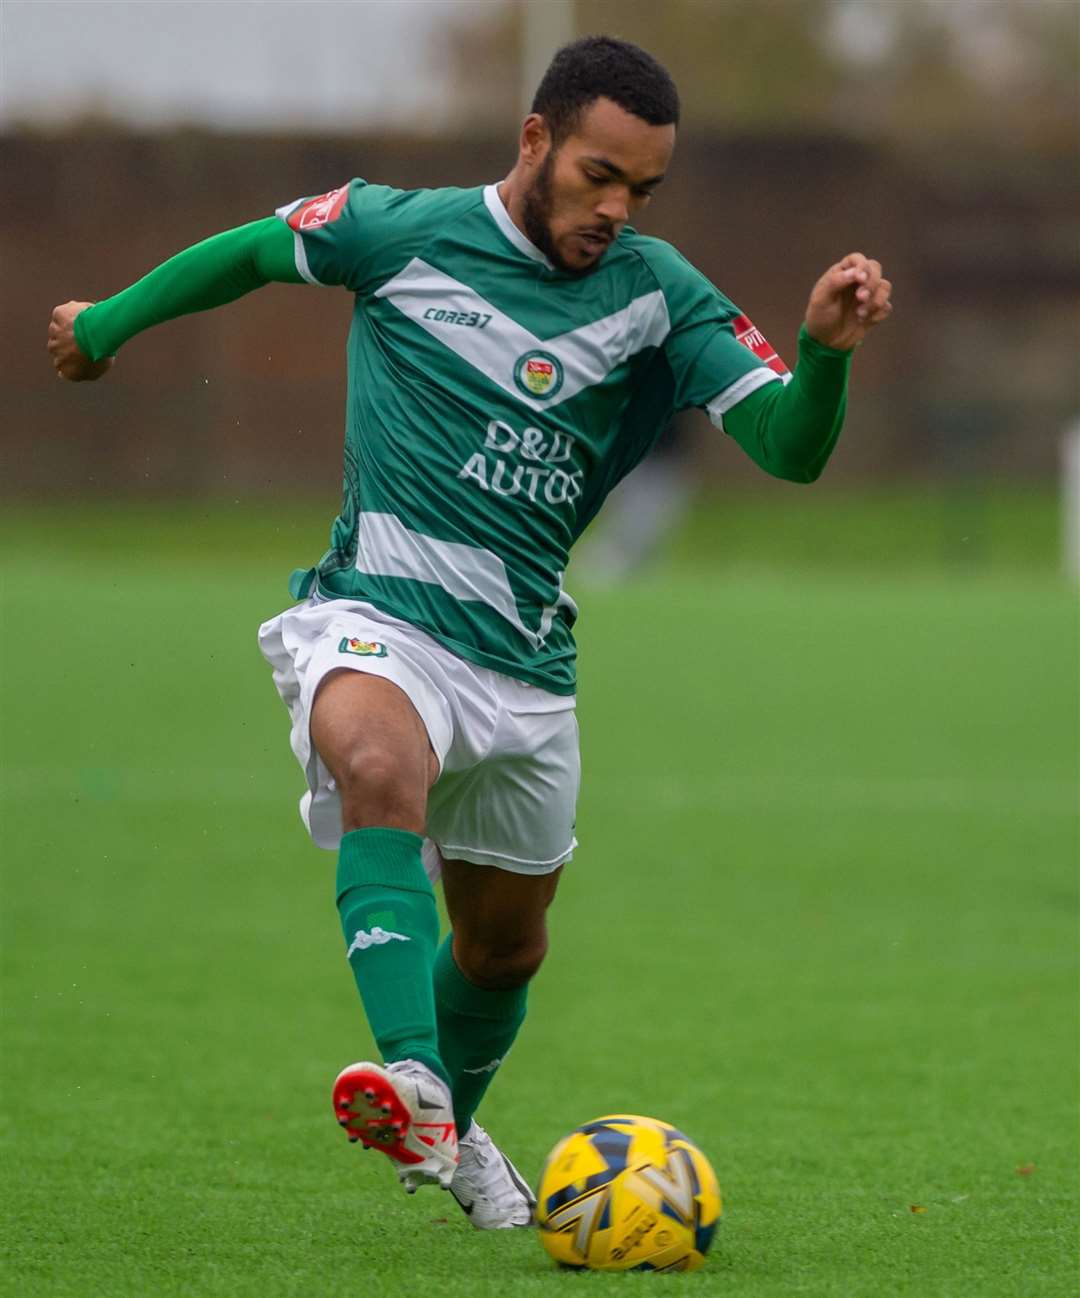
x=404, y=1110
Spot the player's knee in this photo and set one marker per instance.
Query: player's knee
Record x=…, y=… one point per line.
x=375, y=787
x=500, y=965
x=369, y=773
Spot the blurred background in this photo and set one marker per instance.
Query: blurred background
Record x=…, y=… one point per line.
x=937, y=135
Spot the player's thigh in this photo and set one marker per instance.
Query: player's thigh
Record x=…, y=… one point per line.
x=371, y=738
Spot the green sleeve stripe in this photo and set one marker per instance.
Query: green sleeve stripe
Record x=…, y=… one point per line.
x=216, y=271
x=790, y=429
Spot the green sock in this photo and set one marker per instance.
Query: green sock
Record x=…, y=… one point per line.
x=391, y=930
x=476, y=1029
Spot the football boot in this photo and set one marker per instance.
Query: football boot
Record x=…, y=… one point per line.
x=405, y=1111
x=491, y=1191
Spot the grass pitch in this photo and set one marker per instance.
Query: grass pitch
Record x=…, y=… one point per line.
x=823, y=918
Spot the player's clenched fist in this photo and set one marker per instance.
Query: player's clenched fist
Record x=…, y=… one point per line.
x=68, y=358
x=847, y=301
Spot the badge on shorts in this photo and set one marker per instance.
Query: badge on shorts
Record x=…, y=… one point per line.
x=364, y=648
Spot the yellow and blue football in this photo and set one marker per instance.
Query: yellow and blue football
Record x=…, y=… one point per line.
x=626, y=1193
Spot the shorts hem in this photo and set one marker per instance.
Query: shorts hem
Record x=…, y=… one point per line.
x=513, y=865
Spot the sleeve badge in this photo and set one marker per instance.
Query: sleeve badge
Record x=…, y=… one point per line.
x=751, y=337
x=315, y=212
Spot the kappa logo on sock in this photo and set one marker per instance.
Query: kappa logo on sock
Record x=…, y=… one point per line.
x=377, y=937
x=485, y=1068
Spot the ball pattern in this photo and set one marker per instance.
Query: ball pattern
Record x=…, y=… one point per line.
x=625, y=1192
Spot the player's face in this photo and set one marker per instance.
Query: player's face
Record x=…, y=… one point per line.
x=586, y=189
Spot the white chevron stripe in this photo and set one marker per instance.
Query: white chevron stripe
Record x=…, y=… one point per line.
x=587, y=354
x=387, y=548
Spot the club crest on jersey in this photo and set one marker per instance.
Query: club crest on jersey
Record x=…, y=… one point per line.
x=538, y=374
x=314, y=212
x=364, y=648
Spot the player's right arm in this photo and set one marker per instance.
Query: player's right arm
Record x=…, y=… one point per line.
x=84, y=337
x=353, y=237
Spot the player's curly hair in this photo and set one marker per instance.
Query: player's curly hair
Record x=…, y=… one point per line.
x=596, y=67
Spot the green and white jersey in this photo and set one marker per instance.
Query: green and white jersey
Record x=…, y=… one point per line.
x=493, y=403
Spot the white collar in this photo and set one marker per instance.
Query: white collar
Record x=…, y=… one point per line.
x=501, y=217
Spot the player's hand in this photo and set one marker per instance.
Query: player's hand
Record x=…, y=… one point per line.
x=847, y=302
x=68, y=358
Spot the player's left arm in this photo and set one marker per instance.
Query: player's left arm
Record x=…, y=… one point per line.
x=790, y=429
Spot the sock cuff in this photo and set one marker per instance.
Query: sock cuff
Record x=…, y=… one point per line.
x=386, y=857
x=460, y=996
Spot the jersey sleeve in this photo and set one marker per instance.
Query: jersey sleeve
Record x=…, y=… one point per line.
x=209, y=274
x=359, y=235
x=716, y=354
x=791, y=429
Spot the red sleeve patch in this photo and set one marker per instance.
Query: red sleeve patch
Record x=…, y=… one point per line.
x=319, y=211
x=751, y=337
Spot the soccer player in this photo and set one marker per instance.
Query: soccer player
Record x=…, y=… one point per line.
x=515, y=350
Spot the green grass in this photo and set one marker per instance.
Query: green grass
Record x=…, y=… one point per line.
x=823, y=918
x=965, y=528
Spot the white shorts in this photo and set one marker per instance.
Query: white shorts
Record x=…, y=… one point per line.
x=509, y=766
